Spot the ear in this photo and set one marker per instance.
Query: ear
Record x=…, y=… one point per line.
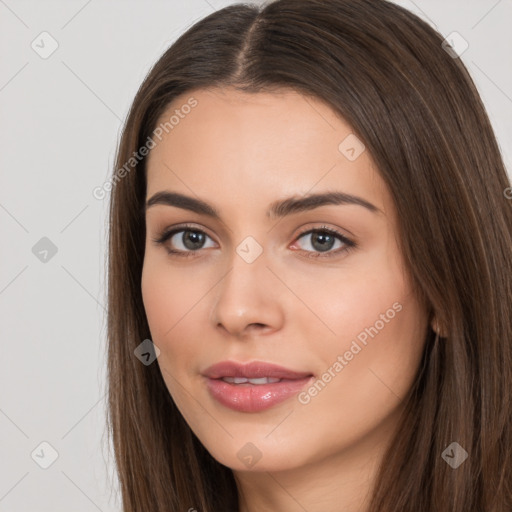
x=436, y=327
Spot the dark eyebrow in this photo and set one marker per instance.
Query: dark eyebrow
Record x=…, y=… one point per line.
x=279, y=208
x=292, y=205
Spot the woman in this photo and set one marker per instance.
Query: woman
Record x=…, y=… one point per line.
x=310, y=282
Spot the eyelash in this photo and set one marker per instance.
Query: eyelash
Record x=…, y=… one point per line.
x=349, y=244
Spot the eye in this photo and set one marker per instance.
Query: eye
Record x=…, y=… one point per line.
x=185, y=240
x=188, y=240
x=323, y=240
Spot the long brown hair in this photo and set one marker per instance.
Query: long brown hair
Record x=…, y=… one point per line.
x=419, y=114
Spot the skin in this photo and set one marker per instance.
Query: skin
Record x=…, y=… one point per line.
x=240, y=152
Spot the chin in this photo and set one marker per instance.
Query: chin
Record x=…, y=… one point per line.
x=258, y=456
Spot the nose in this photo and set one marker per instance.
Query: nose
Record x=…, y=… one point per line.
x=248, y=299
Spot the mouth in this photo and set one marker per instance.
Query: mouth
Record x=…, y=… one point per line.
x=255, y=386
x=252, y=371
x=256, y=382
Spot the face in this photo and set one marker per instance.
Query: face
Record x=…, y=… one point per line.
x=317, y=288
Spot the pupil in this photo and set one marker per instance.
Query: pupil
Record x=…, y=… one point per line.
x=193, y=240
x=322, y=238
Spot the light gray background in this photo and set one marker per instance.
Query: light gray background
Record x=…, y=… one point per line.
x=60, y=119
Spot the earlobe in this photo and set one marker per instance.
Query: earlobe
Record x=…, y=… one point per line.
x=437, y=328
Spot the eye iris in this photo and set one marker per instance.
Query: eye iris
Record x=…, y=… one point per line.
x=325, y=240
x=192, y=239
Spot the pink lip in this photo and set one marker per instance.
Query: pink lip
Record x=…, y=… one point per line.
x=253, y=397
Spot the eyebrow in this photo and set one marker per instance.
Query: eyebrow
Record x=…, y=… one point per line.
x=280, y=208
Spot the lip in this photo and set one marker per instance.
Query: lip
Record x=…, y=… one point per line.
x=253, y=397
x=252, y=370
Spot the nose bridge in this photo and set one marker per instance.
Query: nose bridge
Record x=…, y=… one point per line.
x=248, y=267
x=244, y=295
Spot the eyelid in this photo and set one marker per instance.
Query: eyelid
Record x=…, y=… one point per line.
x=167, y=233
x=309, y=228
x=348, y=243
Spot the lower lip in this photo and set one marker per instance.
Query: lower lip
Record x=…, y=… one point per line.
x=254, y=397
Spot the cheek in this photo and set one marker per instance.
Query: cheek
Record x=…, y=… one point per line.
x=169, y=295
x=377, y=347
x=173, y=302
x=169, y=301
x=366, y=369
x=371, y=318
x=347, y=302
x=159, y=302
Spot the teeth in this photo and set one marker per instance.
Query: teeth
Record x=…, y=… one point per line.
x=243, y=380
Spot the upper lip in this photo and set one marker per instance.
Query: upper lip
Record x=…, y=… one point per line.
x=252, y=370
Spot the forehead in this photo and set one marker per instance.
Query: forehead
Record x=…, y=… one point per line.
x=257, y=147
x=230, y=117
